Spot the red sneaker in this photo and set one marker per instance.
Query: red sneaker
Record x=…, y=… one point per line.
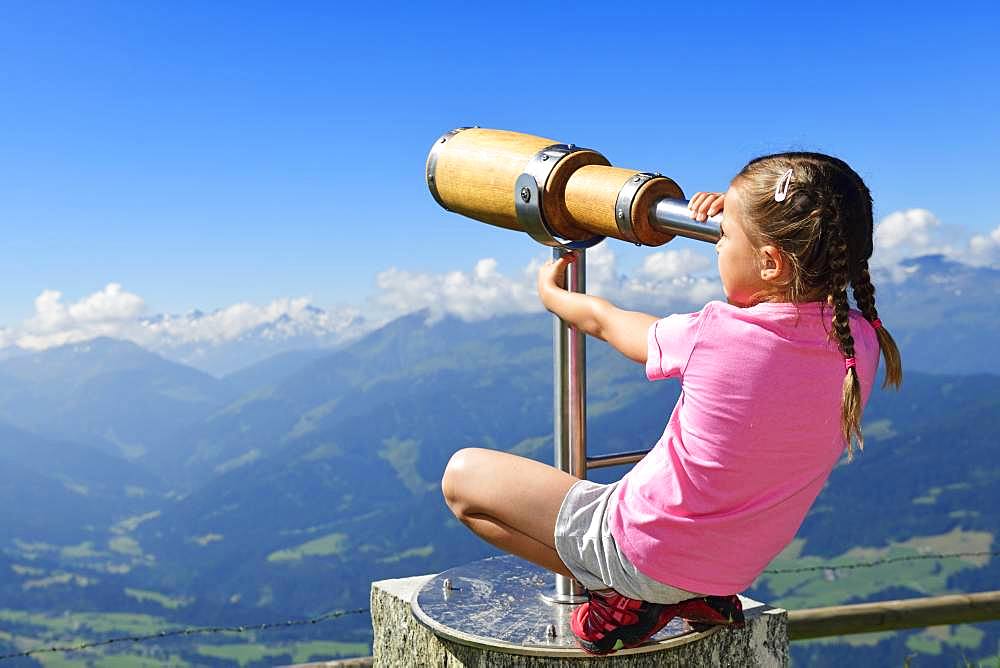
x=610, y=621
x=707, y=611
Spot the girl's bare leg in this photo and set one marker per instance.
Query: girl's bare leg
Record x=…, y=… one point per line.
x=509, y=501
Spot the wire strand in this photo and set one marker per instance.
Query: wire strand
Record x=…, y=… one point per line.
x=879, y=562
x=189, y=632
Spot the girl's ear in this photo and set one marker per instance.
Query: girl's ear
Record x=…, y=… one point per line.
x=773, y=265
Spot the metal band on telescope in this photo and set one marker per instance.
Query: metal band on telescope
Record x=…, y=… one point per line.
x=623, y=207
x=432, y=160
x=529, y=191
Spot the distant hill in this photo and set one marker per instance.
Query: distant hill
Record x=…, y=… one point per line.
x=310, y=328
x=56, y=489
x=945, y=316
x=111, y=394
x=399, y=358
x=272, y=370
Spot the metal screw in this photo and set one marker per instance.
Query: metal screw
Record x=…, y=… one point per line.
x=621, y=213
x=444, y=139
x=636, y=180
x=545, y=156
x=430, y=177
x=525, y=195
x=550, y=631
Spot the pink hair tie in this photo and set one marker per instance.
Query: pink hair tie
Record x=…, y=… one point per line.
x=876, y=323
x=850, y=363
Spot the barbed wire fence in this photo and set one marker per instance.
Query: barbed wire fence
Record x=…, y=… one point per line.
x=212, y=630
x=880, y=562
x=207, y=630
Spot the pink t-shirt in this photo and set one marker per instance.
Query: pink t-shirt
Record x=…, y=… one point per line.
x=748, y=447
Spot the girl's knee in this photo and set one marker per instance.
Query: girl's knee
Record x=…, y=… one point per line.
x=457, y=470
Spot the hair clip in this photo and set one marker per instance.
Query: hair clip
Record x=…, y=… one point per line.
x=781, y=189
x=850, y=363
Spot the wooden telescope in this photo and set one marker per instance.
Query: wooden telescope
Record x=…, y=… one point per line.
x=562, y=195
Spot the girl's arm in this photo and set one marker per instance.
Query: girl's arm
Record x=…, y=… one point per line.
x=624, y=330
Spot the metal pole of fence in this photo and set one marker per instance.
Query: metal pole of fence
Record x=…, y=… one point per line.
x=570, y=405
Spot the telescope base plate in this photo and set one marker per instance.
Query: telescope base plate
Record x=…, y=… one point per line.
x=505, y=604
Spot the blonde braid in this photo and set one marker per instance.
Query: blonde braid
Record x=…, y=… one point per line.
x=850, y=407
x=864, y=295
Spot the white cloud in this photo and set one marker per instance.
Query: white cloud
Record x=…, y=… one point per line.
x=910, y=229
x=280, y=318
x=109, y=304
x=907, y=234
x=480, y=294
x=670, y=264
x=985, y=248
x=100, y=314
x=914, y=232
x=113, y=312
x=665, y=281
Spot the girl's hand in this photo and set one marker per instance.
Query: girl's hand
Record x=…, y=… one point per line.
x=552, y=275
x=705, y=205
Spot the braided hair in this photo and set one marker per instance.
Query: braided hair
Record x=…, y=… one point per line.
x=823, y=227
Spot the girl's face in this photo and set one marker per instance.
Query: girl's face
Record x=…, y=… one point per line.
x=740, y=261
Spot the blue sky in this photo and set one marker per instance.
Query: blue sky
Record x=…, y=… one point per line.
x=203, y=154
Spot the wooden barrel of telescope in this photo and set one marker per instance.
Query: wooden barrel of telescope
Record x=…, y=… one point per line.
x=474, y=171
x=592, y=194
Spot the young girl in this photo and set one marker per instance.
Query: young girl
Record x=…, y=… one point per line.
x=773, y=382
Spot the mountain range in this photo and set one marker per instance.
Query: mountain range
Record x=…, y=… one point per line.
x=940, y=303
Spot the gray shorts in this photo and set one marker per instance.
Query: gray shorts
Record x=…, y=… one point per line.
x=585, y=544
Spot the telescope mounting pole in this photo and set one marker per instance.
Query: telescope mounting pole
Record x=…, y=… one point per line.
x=570, y=402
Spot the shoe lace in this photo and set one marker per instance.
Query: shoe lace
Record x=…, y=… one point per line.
x=604, y=608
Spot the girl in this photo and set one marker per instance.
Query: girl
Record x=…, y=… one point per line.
x=773, y=383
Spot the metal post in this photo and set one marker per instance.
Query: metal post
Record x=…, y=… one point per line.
x=570, y=405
